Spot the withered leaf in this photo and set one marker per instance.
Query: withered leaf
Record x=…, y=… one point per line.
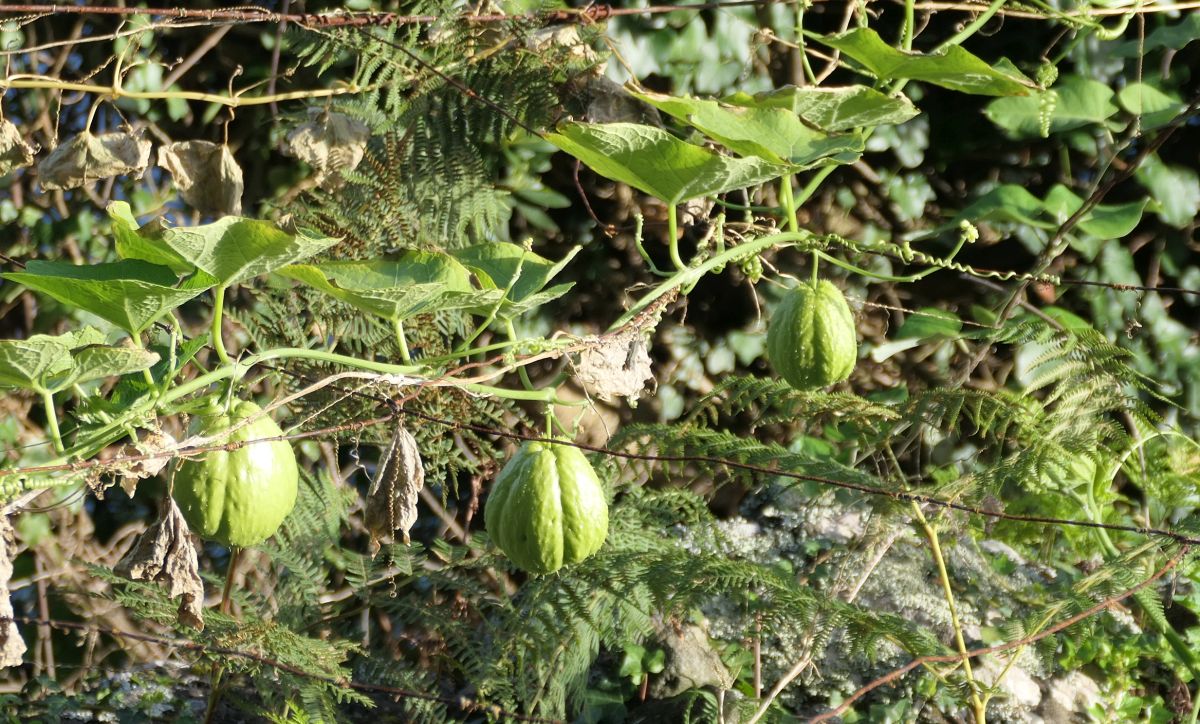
x=332, y=143
x=14, y=152
x=165, y=553
x=392, y=501
x=206, y=174
x=89, y=157
x=132, y=471
x=12, y=646
x=617, y=366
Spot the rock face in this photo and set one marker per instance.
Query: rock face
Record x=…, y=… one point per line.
x=691, y=662
x=784, y=527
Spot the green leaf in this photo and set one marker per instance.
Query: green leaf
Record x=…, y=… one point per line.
x=1156, y=108
x=1175, y=190
x=419, y=282
x=776, y=135
x=953, y=68
x=498, y=263
x=1171, y=36
x=1075, y=102
x=31, y=363
x=97, y=362
x=926, y=324
x=1008, y=202
x=654, y=161
x=131, y=294
x=1104, y=222
x=143, y=243
x=833, y=109
x=234, y=249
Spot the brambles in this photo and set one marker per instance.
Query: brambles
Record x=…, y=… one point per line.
x=811, y=340
x=547, y=508
x=238, y=497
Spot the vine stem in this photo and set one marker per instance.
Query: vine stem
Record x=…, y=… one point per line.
x=402, y=341
x=673, y=236
x=943, y=575
x=217, y=314
x=52, y=420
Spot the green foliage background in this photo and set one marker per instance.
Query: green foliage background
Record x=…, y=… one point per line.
x=1083, y=405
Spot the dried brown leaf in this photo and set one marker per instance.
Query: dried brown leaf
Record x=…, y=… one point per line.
x=165, y=553
x=392, y=501
x=153, y=444
x=87, y=157
x=207, y=176
x=14, y=152
x=332, y=143
x=12, y=646
x=616, y=366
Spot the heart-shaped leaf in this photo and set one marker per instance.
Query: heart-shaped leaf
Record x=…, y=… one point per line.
x=234, y=249
x=654, y=161
x=834, y=108
x=776, y=135
x=952, y=68
x=131, y=293
x=31, y=363
x=417, y=283
x=505, y=266
x=97, y=362
x=145, y=243
x=1075, y=102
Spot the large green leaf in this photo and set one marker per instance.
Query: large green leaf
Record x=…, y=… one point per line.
x=776, y=135
x=31, y=363
x=501, y=265
x=1014, y=204
x=1073, y=103
x=654, y=161
x=419, y=282
x=96, y=362
x=1175, y=190
x=832, y=109
x=143, y=243
x=131, y=293
x=1170, y=36
x=235, y=249
x=1155, y=108
x=952, y=68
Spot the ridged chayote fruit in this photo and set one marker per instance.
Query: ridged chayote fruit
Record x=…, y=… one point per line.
x=547, y=508
x=811, y=339
x=238, y=497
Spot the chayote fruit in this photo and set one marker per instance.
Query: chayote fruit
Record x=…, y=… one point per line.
x=811, y=338
x=547, y=508
x=238, y=497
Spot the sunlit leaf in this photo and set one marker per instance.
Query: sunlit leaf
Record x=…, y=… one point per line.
x=835, y=108
x=654, y=161
x=954, y=68
x=498, y=264
x=234, y=249
x=417, y=283
x=131, y=293
x=776, y=135
x=145, y=243
x=1075, y=102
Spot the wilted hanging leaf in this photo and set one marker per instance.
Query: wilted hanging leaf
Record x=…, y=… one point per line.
x=207, y=175
x=12, y=646
x=392, y=501
x=14, y=152
x=615, y=366
x=332, y=143
x=132, y=471
x=165, y=553
x=87, y=158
